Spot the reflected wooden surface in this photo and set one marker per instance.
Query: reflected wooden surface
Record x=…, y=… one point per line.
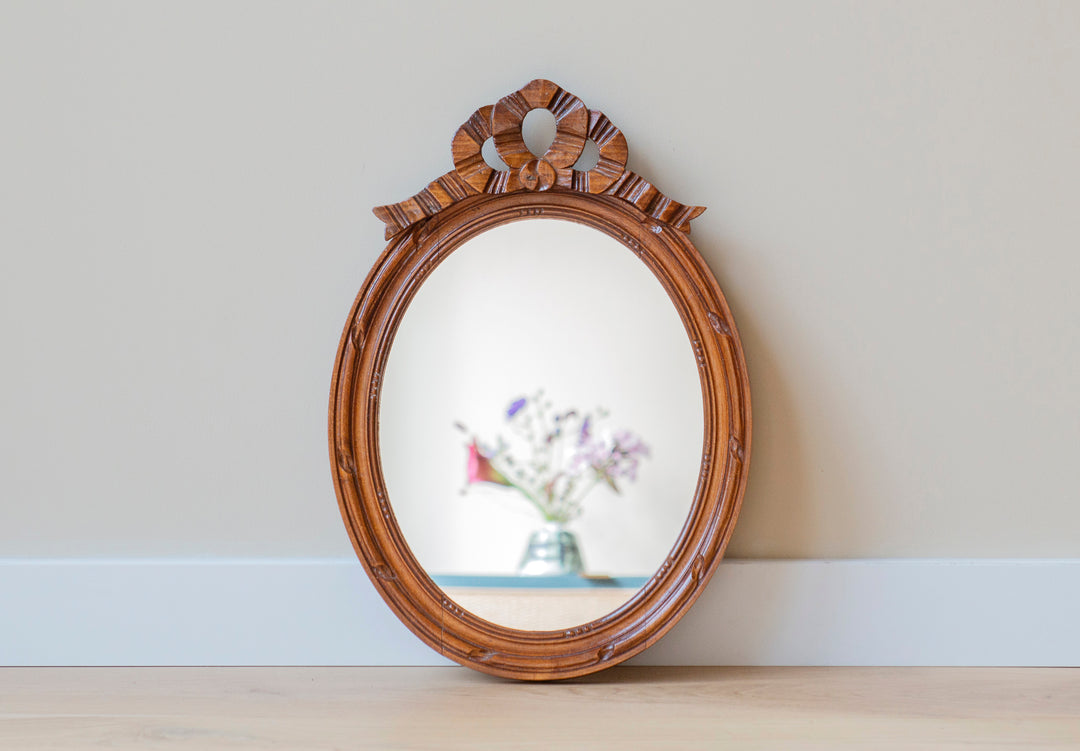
x=455, y=708
x=539, y=609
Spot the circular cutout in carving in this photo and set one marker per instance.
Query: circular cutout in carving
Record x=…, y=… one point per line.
x=610, y=162
x=491, y=156
x=538, y=131
x=571, y=124
x=470, y=162
x=590, y=155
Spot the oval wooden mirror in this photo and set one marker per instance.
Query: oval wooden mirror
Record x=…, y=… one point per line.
x=539, y=415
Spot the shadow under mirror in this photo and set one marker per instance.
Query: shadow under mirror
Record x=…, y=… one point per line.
x=541, y=425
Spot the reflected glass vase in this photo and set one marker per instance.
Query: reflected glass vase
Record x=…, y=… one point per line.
x=552, y=551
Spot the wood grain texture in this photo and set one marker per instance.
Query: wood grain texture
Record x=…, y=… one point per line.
x=627, y=709
x=553, y=170
x=452, y=631
x=423, y=231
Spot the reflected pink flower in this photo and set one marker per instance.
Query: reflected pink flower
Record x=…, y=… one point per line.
x=479, y=469
x=555, y=458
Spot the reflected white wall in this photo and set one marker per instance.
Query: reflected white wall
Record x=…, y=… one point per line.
x=538, y=304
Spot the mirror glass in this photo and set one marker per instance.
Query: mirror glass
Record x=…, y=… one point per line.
x=541, y=424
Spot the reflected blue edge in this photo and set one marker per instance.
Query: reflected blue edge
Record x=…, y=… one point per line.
x=567, y=581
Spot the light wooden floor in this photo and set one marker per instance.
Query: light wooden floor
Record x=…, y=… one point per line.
x=454, y=708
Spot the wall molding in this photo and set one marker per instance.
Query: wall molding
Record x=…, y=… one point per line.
x=325, y=612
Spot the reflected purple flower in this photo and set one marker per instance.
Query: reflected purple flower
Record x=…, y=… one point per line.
x=515, y=407
x=556, y=457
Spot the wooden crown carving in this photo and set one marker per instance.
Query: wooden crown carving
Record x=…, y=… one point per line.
x=554, y=170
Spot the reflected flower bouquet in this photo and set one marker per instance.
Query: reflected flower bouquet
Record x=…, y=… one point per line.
x=554, y=459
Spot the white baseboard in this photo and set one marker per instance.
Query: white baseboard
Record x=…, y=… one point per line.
x=325, y=612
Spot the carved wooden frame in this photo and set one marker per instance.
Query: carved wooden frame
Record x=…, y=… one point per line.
x=423, y=231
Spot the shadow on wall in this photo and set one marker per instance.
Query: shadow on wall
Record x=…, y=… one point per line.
x=811, y=475
x=802, y=491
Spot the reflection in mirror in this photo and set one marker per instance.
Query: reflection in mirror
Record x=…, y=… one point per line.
x=541, y=396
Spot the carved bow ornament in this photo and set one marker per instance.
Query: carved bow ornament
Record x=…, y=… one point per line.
x=554, y=170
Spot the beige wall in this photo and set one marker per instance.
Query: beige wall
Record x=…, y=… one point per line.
x=184, y=220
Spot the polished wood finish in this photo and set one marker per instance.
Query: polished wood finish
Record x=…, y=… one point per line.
x=628, y=708
x=554, y=169
x=423, y=231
